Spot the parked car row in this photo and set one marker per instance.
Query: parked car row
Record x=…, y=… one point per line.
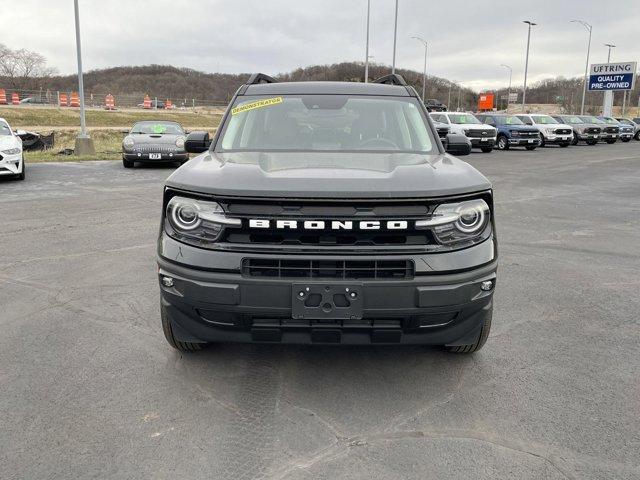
x=491, y=130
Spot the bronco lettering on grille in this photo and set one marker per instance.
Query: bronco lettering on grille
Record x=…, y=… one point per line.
x=331, y=225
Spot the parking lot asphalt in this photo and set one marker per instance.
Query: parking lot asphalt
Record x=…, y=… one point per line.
x=90, y=389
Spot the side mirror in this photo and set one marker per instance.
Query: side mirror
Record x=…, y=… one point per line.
x=197, y=142
x=457, y=144
x=124, y=132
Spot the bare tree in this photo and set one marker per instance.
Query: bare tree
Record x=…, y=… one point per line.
x=23, y=69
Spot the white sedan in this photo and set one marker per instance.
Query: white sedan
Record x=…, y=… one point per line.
x=11, y=158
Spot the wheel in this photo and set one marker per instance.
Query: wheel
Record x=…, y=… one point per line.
x=127, y=163
x=611, y=141
x=592, y=142
x=479, y=343
x=502, y=143
x=564, y=145
x=486, y=149
x=637, y=135
x=168, y=334
x=22, y=174
x=542, y=144
x=575, y=139
x=531, y=147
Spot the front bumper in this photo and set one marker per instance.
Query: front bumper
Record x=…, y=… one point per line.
x=482, y=142
x=431, y=309
x=626, y=136
x=588, y=136
x=557, y=139
x=11, y=164
x=523, y=142
x=608, y=136
x=164, y=157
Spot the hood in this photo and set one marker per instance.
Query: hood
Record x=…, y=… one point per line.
x=476, y=126
x=9, y=141
x=153, y=139
x=328, y=175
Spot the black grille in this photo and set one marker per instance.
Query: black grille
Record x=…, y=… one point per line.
x=611, y=129
x=526, y=133
x=355, y=211
x=340, y=269
x=485, y=133
x=563, y=131
x=155, y=149
x=592, y=130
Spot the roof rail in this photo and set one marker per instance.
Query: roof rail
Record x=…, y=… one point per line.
x=391, y=79
x=257, y=78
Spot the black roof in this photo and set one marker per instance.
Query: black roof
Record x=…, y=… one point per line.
x=327, y=88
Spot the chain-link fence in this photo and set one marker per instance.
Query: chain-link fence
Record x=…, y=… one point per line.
x=56, y=98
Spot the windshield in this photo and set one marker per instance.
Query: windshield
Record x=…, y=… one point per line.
x=326, y=123
x=572, y=119
x=463, y=118
x=589, y=119
x=157, y=128
x=610, y=121
x=544, y=120
x=509, y=120
x=4, y=129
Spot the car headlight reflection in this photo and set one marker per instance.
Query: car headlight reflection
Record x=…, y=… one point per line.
x=128, y=142
x=180, y=142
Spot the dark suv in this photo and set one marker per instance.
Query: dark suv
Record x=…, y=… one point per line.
x=512, y=132
x=327, y=213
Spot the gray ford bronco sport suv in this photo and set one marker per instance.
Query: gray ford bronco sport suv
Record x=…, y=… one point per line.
x=327, y=213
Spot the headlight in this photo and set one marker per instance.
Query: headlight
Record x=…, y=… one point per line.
x=458, y=222
x=12, y=151
x=196, y=222
x=466, y=132
x=550, y=130
x=128, y=142
x=180, y=142
x=515, y=133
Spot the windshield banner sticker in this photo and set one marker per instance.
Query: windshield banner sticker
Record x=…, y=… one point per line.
x=266, y=102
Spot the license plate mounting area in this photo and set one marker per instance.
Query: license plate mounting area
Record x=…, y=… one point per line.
x=315, y=301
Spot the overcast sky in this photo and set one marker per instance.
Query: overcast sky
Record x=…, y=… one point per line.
x=468, y=40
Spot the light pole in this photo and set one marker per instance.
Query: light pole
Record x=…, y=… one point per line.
x=610, y=45
x=586, y=67
x=84, y=144
x=508, y=89
x=424, y=68
x=366, y=54
x=449, y=100
x=607, y=104
x=395, y=36
x=459, y=92
x=526, y=62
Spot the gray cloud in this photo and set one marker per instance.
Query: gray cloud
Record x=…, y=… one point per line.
x=468, y=39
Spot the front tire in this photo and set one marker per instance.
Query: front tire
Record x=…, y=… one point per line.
x=487, y=149
x=502, y=143
x=611, y=141
x=479, y=343
x=592, y=142
x=626, y=140
x=637, y=135
x=542, y=143
x=168, y=334
x=575, y=139
x=531, y=147
x=564, y=145
x=127, y=163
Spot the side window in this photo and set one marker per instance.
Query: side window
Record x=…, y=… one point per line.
x=438, y=118
x=488, y=121
x=527, y=120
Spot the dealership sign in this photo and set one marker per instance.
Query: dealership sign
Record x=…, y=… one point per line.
x=612, y=76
